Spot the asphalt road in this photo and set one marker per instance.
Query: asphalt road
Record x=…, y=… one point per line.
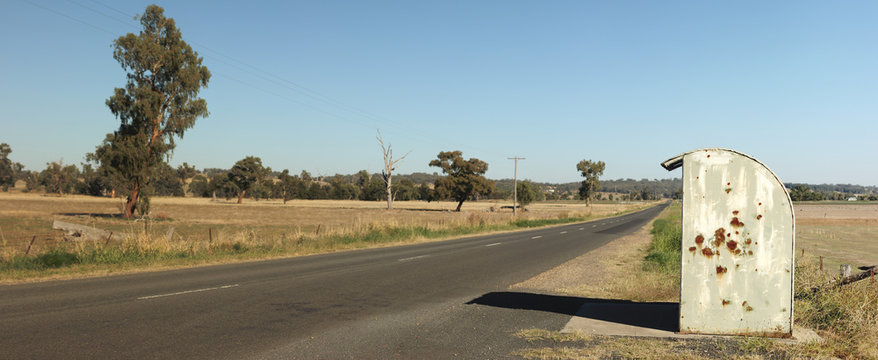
x=433, y=300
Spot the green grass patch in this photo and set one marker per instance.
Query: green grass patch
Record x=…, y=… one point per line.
x=663, y=254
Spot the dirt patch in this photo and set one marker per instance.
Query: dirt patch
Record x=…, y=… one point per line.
x=590, y=274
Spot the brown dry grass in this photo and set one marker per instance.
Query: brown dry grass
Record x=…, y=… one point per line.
x=835, y=211
x=577, y=345
x=840, y=233
x=196, y=220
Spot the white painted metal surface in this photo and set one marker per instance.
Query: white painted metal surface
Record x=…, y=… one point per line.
x=737, y=246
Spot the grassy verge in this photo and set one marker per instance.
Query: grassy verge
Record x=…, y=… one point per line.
x=656, y=277
x=845, y=317
x=139, y=248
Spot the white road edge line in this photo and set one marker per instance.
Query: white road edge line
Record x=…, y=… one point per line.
x=186, y=292
x=494, y=244
x=413, y=258
x=537, y=237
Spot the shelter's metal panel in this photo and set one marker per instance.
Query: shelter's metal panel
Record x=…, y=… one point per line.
x=737, y=246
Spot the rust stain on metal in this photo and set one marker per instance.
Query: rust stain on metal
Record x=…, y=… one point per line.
x=707, y=296
x=719, y=237
x=732, y=245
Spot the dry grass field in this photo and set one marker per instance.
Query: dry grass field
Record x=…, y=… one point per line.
x=841, y=233
x=24, y=217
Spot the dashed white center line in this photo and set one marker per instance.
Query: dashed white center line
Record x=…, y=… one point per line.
x=594, y=226
x=537, y=237
x=563, y=232
x=580, y=229
x=187, y=292
x=414, y=258
x=494, y=244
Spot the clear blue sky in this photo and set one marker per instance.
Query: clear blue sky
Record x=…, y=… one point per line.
x=305, y=85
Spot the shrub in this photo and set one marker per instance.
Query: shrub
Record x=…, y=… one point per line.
x=56, y=258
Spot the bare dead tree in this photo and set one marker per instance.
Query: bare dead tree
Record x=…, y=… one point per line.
x=387, y=173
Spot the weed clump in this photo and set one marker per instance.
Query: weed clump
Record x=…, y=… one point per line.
x=56, y=258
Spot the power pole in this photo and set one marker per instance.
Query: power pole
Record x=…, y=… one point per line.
x=515, y=186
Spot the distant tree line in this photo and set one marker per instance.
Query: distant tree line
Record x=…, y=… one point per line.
x=805, y=192
x=620, y=189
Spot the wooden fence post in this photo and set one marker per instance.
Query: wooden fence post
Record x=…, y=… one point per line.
x=170, y=234
x=108, y=239
x=29, y=245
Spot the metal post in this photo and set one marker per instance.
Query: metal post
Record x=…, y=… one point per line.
x=515, y=186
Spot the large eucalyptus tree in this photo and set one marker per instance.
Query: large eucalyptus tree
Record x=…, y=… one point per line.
x=158, y=103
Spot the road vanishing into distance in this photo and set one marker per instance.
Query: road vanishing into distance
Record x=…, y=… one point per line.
x=448, y=299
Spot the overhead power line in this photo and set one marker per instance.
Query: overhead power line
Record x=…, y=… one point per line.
x=377, y=121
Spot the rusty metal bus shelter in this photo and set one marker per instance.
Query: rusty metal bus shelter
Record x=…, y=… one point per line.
x=737, y=246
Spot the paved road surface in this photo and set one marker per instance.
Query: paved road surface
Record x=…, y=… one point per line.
x=434, y=300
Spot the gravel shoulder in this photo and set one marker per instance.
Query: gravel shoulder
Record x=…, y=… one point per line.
x=589, y=274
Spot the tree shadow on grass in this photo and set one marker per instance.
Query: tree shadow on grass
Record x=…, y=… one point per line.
x=653, y=315
x=96, y=215
x=428, y=210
